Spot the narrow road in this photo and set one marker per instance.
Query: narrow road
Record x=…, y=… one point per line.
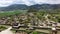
x=7, y=31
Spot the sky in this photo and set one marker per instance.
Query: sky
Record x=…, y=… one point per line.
x=4, y=3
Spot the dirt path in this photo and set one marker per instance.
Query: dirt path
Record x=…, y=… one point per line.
x=7, y=31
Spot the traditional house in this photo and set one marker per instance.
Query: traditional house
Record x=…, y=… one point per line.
x=58, y=24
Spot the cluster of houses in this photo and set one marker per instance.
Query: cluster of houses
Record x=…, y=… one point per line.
x=27, y=21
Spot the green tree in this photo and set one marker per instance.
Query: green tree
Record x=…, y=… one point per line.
x=32, y=10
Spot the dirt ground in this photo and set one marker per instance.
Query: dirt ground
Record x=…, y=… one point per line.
x=20, y=33
x=58, y=32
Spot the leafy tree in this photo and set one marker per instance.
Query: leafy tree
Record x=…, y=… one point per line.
x=32, y=10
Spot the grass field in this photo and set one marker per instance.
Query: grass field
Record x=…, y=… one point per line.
x=8, y=13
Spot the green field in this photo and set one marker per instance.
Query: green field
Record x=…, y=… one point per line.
x=9, y=13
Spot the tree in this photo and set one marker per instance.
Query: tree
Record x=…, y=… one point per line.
x=32, y=10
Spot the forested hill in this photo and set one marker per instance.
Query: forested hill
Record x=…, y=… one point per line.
x=25, y=7
x=14, y=7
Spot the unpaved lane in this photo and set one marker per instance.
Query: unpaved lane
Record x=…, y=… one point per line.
x=7, y=31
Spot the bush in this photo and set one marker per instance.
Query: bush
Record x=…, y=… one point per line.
x=2, y=28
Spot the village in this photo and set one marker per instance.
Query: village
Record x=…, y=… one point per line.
x=29, y=22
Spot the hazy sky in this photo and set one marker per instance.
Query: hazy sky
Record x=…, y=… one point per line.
x=4, y=3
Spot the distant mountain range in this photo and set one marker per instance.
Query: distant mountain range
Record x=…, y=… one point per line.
x=25, y=7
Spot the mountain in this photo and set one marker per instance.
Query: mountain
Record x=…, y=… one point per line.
x=46, y=6
x=25, y=7
x=14, y=7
